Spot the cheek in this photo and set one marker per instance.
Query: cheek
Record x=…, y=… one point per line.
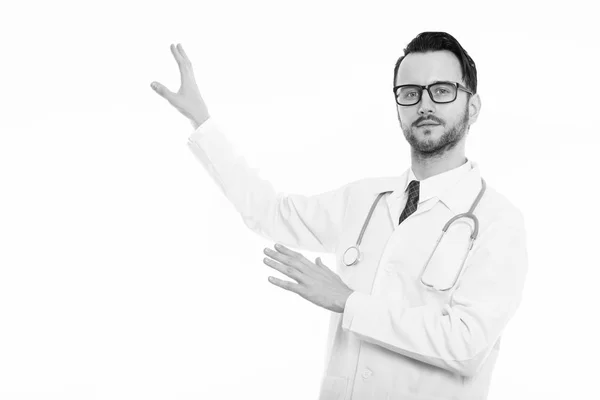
x=407, y=117
x=454, y=115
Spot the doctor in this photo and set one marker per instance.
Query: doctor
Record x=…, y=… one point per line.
x=407, y=322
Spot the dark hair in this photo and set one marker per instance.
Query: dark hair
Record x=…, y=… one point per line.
x=434, y=41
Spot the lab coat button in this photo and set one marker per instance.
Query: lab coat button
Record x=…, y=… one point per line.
x=367, y=374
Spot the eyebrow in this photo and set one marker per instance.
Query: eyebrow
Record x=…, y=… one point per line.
x=431, y=83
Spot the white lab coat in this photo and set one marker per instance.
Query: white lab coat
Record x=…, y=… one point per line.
x=395, y=339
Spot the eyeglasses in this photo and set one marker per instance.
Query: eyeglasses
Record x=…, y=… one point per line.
x=439, y=92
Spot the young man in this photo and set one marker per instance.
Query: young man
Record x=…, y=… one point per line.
x=407, y=322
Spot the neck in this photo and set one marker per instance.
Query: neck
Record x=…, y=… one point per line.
x=424, y=168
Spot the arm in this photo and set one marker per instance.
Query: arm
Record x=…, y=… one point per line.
x=312, y=223
x=458, y=336
x=308, y=222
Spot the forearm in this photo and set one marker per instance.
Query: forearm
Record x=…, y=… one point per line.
x=308, y=222
x=458, y=333
x=452, y=339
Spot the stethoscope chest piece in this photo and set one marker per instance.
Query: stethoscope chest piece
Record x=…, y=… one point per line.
x=351, y=256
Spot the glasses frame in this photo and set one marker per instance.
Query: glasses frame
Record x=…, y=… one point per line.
x=427, y=87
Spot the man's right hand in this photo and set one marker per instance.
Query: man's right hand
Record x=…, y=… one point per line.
x=187, y=100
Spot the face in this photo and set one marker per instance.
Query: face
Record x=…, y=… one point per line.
x=453, y=118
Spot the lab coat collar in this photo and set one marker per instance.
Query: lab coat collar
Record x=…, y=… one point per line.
x=435, y=185
x=460, y=197
x=457, y=197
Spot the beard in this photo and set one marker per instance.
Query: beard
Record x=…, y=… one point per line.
x=429, y=147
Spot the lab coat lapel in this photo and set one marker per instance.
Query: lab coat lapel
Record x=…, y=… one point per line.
x=389, y=185
x=460, y=197
x=457, y=198
x=395, y=184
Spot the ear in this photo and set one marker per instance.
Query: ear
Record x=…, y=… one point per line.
x=474, y=108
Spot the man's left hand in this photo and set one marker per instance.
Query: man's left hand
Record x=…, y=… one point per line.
x=316, y=283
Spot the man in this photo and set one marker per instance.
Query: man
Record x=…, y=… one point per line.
x=398, y=330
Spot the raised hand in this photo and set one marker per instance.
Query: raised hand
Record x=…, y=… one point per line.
x=187, y=100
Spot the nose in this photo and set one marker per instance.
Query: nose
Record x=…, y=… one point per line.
x=426, y=105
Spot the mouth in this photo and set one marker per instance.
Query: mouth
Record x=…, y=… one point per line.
x=427, y=124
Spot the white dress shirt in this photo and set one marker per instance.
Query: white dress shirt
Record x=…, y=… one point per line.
x=428, y=188
x=396, y=339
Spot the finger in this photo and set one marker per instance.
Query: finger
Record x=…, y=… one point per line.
x=175, y=54
x=185, y=69
x=304, y=265
x=287, y=270
x=296, y=262
x=178, y=57
x=162, y=90
x=293, y=255
x=183, y=54
x=290, y=286
x=323, y=269
x=319, y=263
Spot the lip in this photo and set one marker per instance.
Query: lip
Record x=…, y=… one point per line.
x=428, y=124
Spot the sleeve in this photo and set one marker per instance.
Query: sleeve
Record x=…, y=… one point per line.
x=310, y=223
x=459, y=335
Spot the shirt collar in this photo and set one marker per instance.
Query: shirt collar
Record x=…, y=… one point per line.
x=452, y=187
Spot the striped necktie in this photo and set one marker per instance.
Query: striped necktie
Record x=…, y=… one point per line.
x=413, y=200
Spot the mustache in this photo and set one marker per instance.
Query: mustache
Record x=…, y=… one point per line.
x=432, y=119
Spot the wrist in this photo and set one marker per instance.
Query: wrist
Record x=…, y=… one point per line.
x=197, y=121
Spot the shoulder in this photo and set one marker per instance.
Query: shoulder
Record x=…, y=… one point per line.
x=495, y=208
x=362, y=192
x=366, y=187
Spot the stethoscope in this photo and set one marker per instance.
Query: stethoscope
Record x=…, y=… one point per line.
x=352, y=255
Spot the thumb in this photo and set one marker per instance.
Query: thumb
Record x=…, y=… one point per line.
x=320, y=264
x=162, y=90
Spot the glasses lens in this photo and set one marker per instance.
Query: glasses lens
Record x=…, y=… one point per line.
x=408, y=95
x=443, y=92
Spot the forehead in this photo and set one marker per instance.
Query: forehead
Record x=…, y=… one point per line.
x=424, y=68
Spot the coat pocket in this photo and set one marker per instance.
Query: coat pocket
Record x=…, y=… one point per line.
x=333, y=388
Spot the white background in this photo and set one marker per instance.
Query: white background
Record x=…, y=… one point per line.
x=126, y=274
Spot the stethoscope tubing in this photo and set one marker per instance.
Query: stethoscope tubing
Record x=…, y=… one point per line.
x=469, y=214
